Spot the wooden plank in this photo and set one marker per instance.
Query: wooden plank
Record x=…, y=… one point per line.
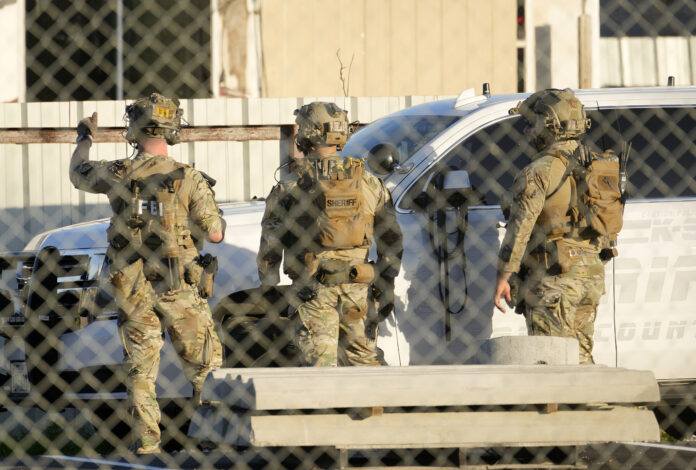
x=585, y=51
x=116, y=135
x=322, y=388
x=417, y=430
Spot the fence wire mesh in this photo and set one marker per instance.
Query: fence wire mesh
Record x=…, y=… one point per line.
x=63, y=374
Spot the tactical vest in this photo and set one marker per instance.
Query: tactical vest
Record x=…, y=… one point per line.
x=149, y=221
x=343, y=221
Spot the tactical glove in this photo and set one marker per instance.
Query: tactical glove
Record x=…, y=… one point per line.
x=87, y=126
x=383, y=295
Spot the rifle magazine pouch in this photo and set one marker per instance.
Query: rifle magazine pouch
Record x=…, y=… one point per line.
x=353, y=314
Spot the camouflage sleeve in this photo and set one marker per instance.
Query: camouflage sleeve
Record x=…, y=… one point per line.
x=387, y=234
x=270, y=248
x=96, y=176
x=203, y=209
x=528, y=196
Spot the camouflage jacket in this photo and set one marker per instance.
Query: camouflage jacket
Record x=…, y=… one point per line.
x=288, y=229
x=531, y=190
x=197, y=215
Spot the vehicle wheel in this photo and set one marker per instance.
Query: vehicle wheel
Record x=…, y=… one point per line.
x=254, y=330
x=257, y=342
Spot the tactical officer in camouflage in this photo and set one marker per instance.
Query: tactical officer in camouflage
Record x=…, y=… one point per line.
x=322, y=220
x=162, y=213
x=562, y=270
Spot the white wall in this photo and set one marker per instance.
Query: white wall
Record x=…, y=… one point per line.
x=646, y=61
x=551, y=39
x=12, y=50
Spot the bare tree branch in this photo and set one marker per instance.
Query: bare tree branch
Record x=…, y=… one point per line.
x=345, y=81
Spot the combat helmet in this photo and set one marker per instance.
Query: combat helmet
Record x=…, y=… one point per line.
x=320, y=123
x=154, y=116
x=554, y=114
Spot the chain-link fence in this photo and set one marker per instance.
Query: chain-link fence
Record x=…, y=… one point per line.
x=110, y=50
x=458, y=385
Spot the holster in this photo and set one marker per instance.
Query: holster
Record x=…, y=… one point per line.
x=201, y=273
x=210, y=268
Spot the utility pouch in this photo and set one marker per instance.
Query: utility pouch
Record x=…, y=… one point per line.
x=124, y=284
x=193, y=272
x=551, y=259
x=332, y=272
x=562, y=256
x=353, y=314
x=362, y=273
x=606, y=254
x=311, y=263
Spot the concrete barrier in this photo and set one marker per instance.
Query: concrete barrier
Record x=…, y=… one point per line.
x=550, y=350
x=438, y=406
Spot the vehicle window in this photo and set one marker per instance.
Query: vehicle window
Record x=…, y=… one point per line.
x=663, y=141
x=661, y=165
x=407, y=133
x=491, y=156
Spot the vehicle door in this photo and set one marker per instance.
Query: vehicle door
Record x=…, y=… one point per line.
x=449, y=309
x=655, y=272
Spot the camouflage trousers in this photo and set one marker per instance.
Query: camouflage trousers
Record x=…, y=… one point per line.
x=330, y=329
x=566, y=304
x=143, y=315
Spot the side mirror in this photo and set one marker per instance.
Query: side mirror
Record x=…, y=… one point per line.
x=382, y=159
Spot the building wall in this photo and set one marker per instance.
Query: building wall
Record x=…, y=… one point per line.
x=387, y=47
x=646, y=61
x=12, y=52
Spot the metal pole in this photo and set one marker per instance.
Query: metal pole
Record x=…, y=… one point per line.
x=119, y=49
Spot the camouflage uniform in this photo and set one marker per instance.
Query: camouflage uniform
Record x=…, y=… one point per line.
x=564, y=273
x=330, y=328
x=138, y=278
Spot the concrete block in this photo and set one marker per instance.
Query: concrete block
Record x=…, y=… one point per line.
x=360, y=387
x=413, y=430
x=551, y=350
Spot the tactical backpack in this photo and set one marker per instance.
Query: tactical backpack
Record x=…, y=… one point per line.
x=599, y=194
